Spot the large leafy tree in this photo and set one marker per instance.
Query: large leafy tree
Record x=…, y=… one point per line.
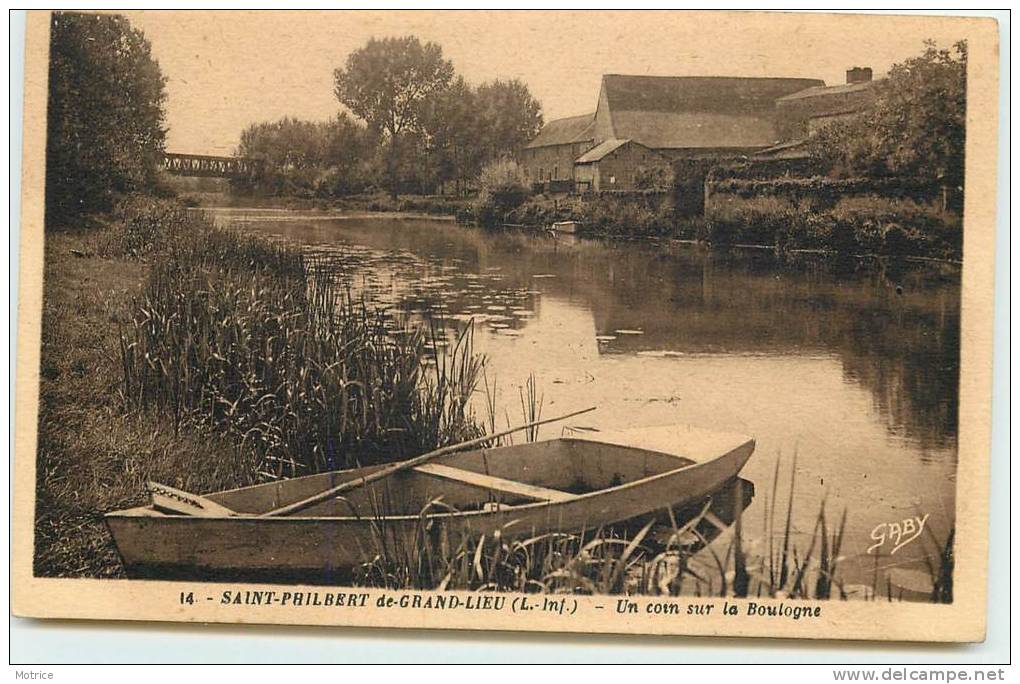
x=450, y=131
x=105, y=121
x=510, y=115
x=387, y=82
x=916, y=125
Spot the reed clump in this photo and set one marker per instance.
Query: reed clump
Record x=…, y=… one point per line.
x=265, y=344
x=692, y=552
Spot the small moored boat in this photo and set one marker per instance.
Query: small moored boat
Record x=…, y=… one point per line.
x=570, y=484
x=566, y=226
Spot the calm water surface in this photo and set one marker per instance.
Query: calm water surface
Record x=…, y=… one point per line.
x=851, y=370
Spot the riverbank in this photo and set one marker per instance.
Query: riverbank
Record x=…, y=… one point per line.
x=93, y=456
x=856, y=227
x=436, y=207
x=138, y=382
x=163, y=336
x=867, y=226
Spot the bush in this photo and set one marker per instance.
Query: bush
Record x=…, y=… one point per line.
x=758, y=220
x=867, y=224
x=141, y=225
x=502, y=187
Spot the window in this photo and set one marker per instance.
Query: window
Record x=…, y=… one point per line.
x=541, y=173
x=555, y=173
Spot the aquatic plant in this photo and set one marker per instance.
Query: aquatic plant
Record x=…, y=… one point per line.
x=690, y=552
x=257, y=341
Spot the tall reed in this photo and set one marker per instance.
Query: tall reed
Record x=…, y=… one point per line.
x=257, y=341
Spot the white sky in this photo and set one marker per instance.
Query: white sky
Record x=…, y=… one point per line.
x=229, y=69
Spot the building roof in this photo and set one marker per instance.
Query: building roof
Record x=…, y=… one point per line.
x=819, y=91
x=564, y=131
x=674, y=112
x=686, y=130
x=725, y=94
x=600, y=151
x=793, y=149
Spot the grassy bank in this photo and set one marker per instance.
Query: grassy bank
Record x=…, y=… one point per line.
x=176, y=352
x=864, y=225
x=93, y=456
x=428, y=205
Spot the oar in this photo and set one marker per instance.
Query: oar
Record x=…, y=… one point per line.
x=173, y=500
x=407, y=465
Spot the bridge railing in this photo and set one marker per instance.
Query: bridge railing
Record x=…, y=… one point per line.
x=211, y=166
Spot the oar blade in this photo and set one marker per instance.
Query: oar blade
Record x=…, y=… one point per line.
x=179, y=502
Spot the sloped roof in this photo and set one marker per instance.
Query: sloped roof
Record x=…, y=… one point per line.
x=819, y=91
x=676, y=130
x=601, y=150
x=564, y=131
x=729, y=95
x=793, y=149
x=697, y=112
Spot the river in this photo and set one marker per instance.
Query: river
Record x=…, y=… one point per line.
x=849, y=370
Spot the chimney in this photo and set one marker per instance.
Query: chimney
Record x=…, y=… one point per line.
x=858, y=75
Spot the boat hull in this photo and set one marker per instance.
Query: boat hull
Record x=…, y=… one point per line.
x=314, y=546
x=568, y=227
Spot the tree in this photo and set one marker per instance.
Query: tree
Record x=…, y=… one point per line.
x=104, y=127
x=916, y=125
x=451, y=135
x=386, y=83
x=509, y=117
x=308, y=157
x=502, y=187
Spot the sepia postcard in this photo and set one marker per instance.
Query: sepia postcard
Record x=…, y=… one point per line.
x=648, y=322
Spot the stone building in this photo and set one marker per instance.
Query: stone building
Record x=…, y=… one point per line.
x=673, y=116
x=802, y=113
x=616, y=165
x=550, y=156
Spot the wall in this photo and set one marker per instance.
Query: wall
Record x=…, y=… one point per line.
x=552, y=162
x=819, y=192
x=794, y=116
x=622, y=165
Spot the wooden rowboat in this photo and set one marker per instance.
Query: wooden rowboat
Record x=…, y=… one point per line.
x=565, y=226
x=570, y=484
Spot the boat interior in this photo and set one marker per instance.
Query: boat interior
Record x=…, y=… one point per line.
x=484, y=479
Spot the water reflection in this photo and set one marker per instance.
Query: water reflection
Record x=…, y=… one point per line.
x=895, y=332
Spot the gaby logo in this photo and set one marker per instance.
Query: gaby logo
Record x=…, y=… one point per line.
x=899, y=533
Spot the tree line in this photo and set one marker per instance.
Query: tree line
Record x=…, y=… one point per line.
x=414, y=126
x=105, y=123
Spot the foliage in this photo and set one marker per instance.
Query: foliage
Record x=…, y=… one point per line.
x=105, y=120
x=309, y=158
x=141, y=225
x=915, y=127
x=502, y=187
x=259, y=343
x=387, y=82
x=424, y=129
x=653, y=178
x=510, y=117
x=617, y=215
x=636, y=214
x=822, y=190
x=866, y=224
x=449, y=136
